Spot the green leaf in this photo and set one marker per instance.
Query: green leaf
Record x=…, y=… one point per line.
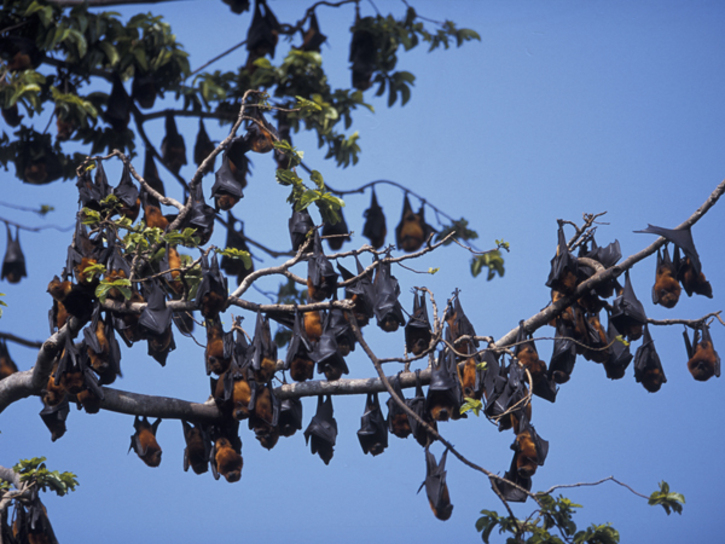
x=316, y=177
x=234, y=253
x=110, y=51
x=491, y=260
x=474, y=405
x=666, y=498
x=123, y=285
x=307, y=198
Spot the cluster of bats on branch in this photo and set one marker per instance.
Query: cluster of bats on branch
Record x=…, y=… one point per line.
x=245, y=366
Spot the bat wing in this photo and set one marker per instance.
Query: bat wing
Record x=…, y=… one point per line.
x=290, y=417
x=682, y=238
x=373, y=432
x=299, y=225
x=126, y=191
x=563, y=266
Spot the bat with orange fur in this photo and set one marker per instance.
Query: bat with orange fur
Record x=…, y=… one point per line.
x=144, y=443
x=703, y=361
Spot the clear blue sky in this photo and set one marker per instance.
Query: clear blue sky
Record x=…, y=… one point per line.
x=562, y=108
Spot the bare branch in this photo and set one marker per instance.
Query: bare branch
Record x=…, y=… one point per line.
x=585, y=484
x=21, y=341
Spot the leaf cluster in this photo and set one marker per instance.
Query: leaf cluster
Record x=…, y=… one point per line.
x=34, y=470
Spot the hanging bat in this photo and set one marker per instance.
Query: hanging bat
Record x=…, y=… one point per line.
x=128, y=194
x=264, y=354
x=90, y=192
x=459, y=325
x=418, y=331
x=103, y=351
x=20, y=53
x=173, y=148
x=330, y=361
x=54, y=418
x=203, y=147
x=595, y=350
x=235, y=240
x=361, y=292
x=563, y=274
x=388, y=311
x=151, y=174
x=290, y=417
x=212, y=292
x=627, y=312
x=7, y=365
x=435, y=486
x=374, y=228
x=363, y=53
x=144, y=443
x=509, y=492
x=201, y=216
x=418, y=405
x=530, y=449
x=90, y=395
x=127, y=324
x=118, y=110
x=412, y=231
x=53, y=393
x=155, y=323
x=689, y=268
x=227, y=189
x=313, y=323
x=152, y=215
x=619, y=355
x=691, y=281
x=219, y=347
x=198, y=448
x=321, y=277
x=525, y=352
x=373, y=432
x=312, y=38
x=509, y=390
x=300, y=225
x=14, y=261
x=444, y=392
x=647, y=366
x=143, y=90
x=666, y=290
x=339, y=232
x=398, y=423
x=704, y=362
x=12, y=115
x=487, y=375
x=284, y=129
x=564, y=355
x=263, y=33
x=226, y=454
x=264, y=416
x=298, y=360
x=261, y=135
x=340, y=328
x=322, y=430
x=608, y=256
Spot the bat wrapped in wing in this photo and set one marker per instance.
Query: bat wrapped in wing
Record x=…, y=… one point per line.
x=373, y=432
x=321, y=433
